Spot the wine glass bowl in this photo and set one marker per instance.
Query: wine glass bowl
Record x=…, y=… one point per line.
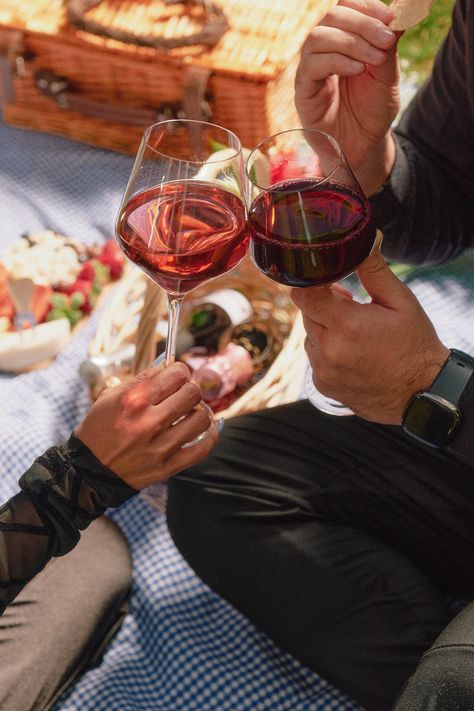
x=309, y=221
x=183, y=217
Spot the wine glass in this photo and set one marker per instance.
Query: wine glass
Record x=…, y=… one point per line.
x=183, y=216
x=310, y=223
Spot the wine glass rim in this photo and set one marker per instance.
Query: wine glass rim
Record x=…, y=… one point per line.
x=237, y=151
x=331, y=139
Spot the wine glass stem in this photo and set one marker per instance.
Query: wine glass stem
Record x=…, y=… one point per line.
x=174, y=308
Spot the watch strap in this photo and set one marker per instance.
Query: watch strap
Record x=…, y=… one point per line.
x=453, y=377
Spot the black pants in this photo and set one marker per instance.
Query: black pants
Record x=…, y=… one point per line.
x=339, y=538
x=444, y=678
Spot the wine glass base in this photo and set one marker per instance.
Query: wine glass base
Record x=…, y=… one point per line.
x=322, y=402
x=213, y=424
x=204, y=435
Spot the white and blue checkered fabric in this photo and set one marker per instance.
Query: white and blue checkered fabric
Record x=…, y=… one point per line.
x=181, y=648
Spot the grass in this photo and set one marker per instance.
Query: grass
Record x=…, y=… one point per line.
x=419, y=45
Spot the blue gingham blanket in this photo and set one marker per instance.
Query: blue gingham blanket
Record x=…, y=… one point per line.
x=181, y=648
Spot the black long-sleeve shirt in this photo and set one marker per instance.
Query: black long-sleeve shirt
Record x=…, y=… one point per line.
x=426, y=208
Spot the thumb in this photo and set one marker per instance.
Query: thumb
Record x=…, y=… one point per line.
x=388, y=72
x=381, y=284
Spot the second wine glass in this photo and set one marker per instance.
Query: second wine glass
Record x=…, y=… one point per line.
x=183, y=217
x=310, y=223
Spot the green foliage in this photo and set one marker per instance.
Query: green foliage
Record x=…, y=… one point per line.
x=419, y=45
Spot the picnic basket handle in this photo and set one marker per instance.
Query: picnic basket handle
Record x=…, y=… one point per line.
x=210, y=33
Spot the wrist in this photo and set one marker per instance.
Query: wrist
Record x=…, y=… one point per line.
x=433, y=416
x=376, y=169
x=432, y=368
x=111, y=489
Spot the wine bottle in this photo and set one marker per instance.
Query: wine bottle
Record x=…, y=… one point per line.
x=220, y=374
x=212, y=315
x=195, y=357
x=260, y=338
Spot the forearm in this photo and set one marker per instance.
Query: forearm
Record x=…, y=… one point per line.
x=425, y=209
x=62, y=493
x=425, y=217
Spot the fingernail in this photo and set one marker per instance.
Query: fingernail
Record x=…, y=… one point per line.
x=356, y=66
x=384, y=36
x=375, y=55
x=220, y=424
x=377, y=242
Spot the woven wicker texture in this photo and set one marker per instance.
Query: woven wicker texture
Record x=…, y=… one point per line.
x=252, y=66
x=262, y=39
x=135, y=308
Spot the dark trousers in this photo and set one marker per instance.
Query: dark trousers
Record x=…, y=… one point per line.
x=444, y=678
x=339, y=538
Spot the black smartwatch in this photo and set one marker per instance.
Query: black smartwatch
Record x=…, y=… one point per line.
x=433, y=417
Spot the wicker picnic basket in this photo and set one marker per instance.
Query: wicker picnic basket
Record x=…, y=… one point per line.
x=138, y=304
x=100, y=70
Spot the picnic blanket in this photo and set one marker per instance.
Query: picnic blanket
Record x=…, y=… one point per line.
x=181, y=648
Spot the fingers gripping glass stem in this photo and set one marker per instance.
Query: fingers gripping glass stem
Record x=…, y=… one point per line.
x=174, y=309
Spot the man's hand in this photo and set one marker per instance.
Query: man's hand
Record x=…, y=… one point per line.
x=347, y=84
x=130, y=427
x=371, y=357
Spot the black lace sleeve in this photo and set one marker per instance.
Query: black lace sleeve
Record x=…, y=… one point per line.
x=62, y=492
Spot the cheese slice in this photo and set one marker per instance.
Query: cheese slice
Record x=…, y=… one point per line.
x=21, y=350
x=409, y=13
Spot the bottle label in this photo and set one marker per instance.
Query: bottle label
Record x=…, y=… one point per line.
x=221, y=373
x=233, y=302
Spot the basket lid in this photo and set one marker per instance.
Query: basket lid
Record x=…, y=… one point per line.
x=262, y=38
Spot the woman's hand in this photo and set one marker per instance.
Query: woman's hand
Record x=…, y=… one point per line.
x=130, y=427
x=347, y=83
x=371, y=357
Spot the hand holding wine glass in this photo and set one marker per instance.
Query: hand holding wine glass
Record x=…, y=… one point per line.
x=374, y=356
x=183, y=217
x=310, y=223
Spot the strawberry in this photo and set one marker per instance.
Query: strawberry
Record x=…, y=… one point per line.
x=282, y=167
x=112, y=257
x=86, y=289
x=111, y=248
x=82, y=285
x=7, y=308
x=87, y=272
x=41, y=301
x=115, y=267
x=63, y=306
x=102, y=274
x=279, y=167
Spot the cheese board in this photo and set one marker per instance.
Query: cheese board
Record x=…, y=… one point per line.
x=49, y=285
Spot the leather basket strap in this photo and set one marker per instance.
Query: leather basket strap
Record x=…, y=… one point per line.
x=193, y=105
x=210, y=33
x=11, y=45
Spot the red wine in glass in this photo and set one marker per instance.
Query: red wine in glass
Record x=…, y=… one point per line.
x=306, y=234
x=184, y=233
x=310, y=223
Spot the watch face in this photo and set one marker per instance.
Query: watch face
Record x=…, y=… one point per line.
x=431, y=419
